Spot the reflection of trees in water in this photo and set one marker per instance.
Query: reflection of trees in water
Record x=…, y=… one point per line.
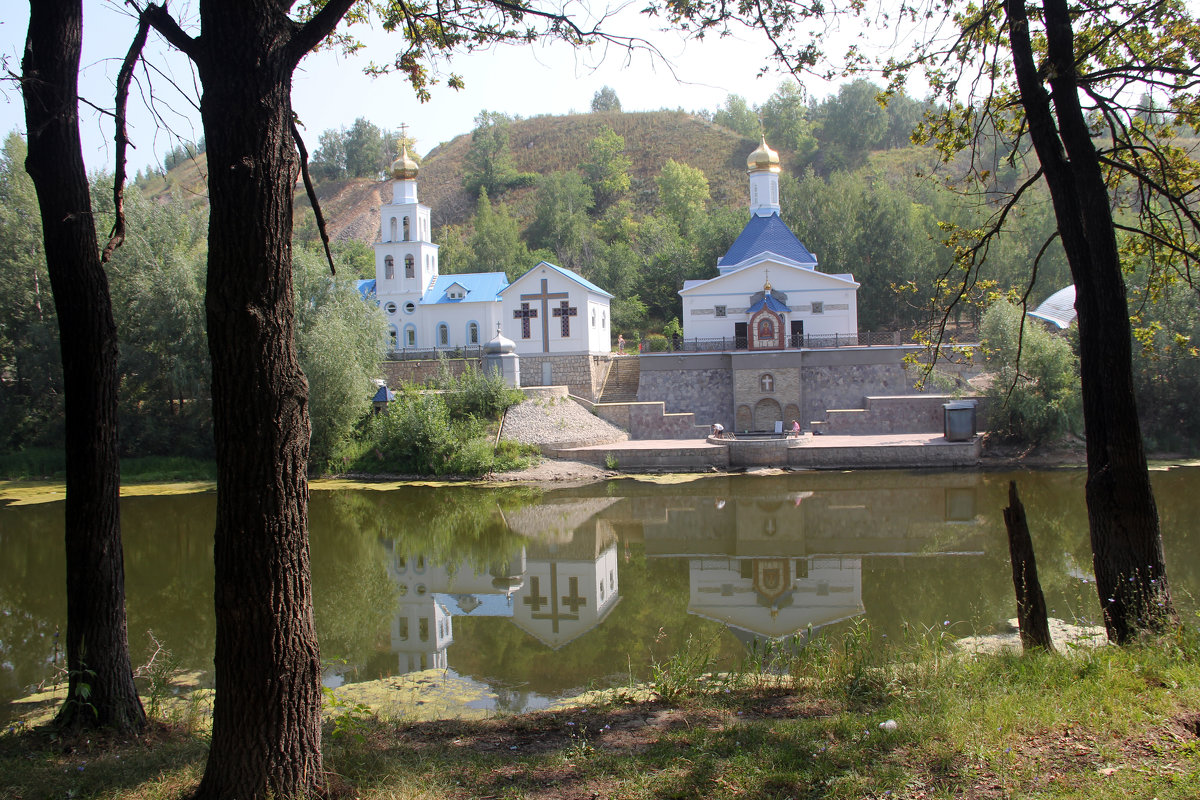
x=168, y=550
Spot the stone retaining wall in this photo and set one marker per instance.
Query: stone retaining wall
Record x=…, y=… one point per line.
x=583, y=374
x=397, y=373
x=919, y=413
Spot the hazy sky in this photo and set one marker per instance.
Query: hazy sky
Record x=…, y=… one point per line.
x=331, y=91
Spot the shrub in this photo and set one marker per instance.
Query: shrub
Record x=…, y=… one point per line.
x=657, y=343
x=480, y=395
x=1035, y=394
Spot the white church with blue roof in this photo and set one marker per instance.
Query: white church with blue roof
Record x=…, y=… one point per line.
x=768, y=293
x=547, y=311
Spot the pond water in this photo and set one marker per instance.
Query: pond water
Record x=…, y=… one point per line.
x=534, y=595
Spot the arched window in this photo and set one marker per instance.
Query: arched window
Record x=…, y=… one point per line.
x=393, y=338
x=767, y=382
x=406, y=230
x=410, y=336
x=473, y=333
x=403, y=632
x=392, y=231
x=409, y=271
x=389, y=267
x=443, y=334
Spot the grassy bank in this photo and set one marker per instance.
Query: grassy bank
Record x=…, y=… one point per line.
x=840, y=719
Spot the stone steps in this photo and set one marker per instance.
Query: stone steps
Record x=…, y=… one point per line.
x=621, y=385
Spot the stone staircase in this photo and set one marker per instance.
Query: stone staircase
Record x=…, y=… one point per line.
x=621, y=385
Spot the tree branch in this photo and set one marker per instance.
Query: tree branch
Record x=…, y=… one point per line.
x=121, y=136
x=162, y=21
x=312, y=195
x=311, y=33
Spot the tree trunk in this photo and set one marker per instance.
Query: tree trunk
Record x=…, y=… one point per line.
x=1126, y=543
x=1031, y=603
x=266, y=738
x=100, y=691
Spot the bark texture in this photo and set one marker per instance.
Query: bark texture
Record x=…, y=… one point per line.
x=267, y=717
x=1126, y=543
x=101, y=691
x=1031, y=603
x=266, y=739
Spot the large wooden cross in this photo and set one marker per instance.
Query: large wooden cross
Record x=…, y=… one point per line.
x=545, y=296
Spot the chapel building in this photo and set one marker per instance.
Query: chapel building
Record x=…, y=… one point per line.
x=768, y=293
x=548, y=311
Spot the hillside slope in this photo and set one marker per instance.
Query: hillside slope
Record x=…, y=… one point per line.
x=542, y=145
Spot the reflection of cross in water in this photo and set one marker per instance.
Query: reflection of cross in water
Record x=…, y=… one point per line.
x=544, y=296
x=535, y=600
x=566, y=311
x=525, y=313
x=574, y=601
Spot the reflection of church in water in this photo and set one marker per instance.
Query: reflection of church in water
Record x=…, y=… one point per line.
x=766, y=565
x=560, y=585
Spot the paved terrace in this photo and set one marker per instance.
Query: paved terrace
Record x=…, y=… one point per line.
x=882, y=451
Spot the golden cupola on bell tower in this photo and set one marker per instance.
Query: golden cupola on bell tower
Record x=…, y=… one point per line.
x=404, y=168
x=763, y=166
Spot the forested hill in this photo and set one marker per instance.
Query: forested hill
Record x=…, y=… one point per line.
x=560, y=144
x=540, y=145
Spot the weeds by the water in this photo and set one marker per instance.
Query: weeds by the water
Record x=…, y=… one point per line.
x=851, y=716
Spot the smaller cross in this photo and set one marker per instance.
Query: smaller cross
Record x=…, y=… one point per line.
x=566, y=311
x=535, y=600
x=525, y=313
x=573, y=601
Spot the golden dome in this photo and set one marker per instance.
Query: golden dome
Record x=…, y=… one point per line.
x=763, y=158
x=404, y=168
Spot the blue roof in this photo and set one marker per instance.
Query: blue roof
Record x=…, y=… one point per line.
x=384, y=395
x=770, y=302
x=481, y=287
x=572, y=275
x=766, y=235
x=366, y=288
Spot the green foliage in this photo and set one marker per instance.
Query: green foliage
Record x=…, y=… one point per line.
x=657, y=343
x=30, y=372
x=628, y=314
x=442, y=432
x=853, y=124
x=157, y=285
x=681, y=674
x=341, y=344
x=561, y=223
x=1035, y=392
x=737, y=115
x=495, y=245
x=788, y=125
x=489, y=163
x=474, y=393
x=607, y=168
x=365, y=151
x=682, y=195
x=605, y=100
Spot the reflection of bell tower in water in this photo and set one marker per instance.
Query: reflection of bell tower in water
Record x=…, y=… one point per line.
x=429, y=596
